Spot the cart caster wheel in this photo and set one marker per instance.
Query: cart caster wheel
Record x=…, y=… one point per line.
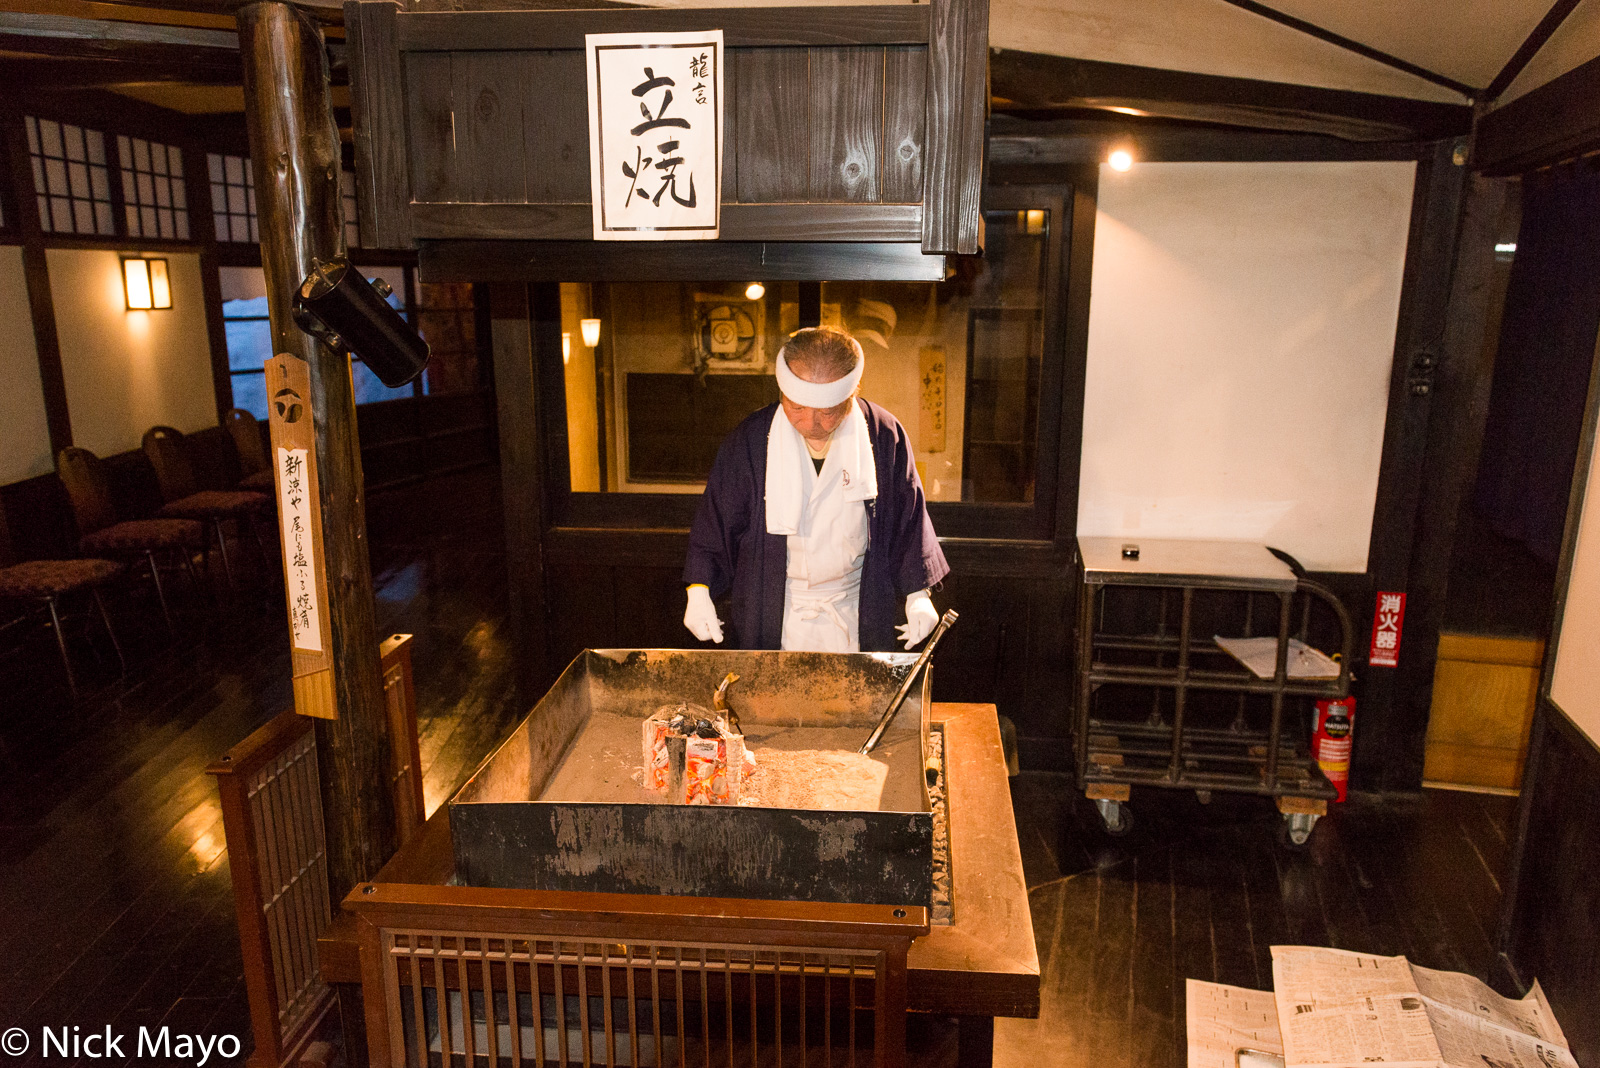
x=1297, y=828
x=1115, y=816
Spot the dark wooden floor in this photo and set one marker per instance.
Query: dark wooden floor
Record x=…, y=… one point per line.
x=1204, y=891
x=115, y=904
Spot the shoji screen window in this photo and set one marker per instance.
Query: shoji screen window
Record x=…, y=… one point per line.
x=154, y=201
x=70, y=177
x=233, y=198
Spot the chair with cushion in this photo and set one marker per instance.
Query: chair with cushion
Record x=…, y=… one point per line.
x=256, y=468
x=48, y=581
x=101, y=534
x=164, y=447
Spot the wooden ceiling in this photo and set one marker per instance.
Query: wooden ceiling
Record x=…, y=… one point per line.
x=1277, y=64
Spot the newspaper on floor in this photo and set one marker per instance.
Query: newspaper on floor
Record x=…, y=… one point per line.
x=1260, y=655
x=1224, y=1021
x=1337, y=1009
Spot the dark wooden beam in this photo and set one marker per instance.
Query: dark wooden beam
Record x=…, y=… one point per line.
x=1541, y=33
x=56, y=74
x=296, y=160
x=517, y=326
x=1388, y=753
x=1377, y=55
x=456, y=31
x=619, y=261
x=1557, y=121
x=957, y=111
x=66, y=37
x=36, y=274
x=1033, y=82
x=740, y=222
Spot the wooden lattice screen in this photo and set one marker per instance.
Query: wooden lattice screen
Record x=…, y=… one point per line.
x=605, y=979
x=272, y=816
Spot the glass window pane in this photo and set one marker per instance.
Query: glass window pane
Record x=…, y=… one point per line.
x=183, y=226
x=61, y=215
x=234, y=166
x=369, y=389
x=33, y=135
x=83, y=217
x=958, y=363
x=130, y=214
x=78, y=180
x=98, y=184
x=73, y=136
x=141, y=154
x=97, y=147
x=214, y=166
x=102, y=218
x=249, y=340
x=250, y=393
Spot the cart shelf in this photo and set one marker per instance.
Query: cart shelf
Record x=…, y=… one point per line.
x=1166, y=749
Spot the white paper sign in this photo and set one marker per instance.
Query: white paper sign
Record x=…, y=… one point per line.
x=655, y=135
x=294, y=507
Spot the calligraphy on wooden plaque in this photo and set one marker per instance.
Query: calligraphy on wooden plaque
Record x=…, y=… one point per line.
x=655, y=135
x=294, y=452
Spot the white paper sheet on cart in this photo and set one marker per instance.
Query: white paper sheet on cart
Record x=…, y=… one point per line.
x=1220, y=1021
x=1260, y=655
x=1337, y=1009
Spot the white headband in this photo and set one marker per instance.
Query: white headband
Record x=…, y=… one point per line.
x=818, y=394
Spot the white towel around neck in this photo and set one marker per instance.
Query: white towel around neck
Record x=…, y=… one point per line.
x=789, y=462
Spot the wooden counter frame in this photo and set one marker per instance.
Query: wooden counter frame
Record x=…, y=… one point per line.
x=983, y=965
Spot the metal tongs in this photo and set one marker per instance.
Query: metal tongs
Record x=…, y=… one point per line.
x=905, y=687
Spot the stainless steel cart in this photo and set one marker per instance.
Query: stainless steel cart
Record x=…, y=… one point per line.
x=1170, y=745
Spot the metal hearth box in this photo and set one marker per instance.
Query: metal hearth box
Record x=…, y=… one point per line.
x=561, y=804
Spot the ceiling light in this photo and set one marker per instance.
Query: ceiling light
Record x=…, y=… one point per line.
x=755, y=291
x=1120, y=160
x=591, y=332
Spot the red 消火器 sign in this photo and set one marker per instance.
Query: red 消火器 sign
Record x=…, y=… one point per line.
x=1386, y=620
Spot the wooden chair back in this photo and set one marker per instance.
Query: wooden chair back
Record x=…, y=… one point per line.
x=163, y=447
x=450, y=974
x=246, y=434
x=84, y=476
x=272, y=816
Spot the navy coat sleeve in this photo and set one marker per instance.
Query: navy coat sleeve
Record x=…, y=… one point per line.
x=723, y=517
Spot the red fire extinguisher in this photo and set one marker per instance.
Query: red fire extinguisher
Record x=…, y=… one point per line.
x=1330, y=742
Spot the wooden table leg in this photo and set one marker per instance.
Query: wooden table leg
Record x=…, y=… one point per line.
x=975, y=1041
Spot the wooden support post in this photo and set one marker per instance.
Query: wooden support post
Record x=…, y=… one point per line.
x=294, y=147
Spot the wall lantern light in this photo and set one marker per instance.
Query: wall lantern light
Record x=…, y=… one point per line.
x=754, y=291
x=1120, y=160
x=591, y=332
x=146, y=285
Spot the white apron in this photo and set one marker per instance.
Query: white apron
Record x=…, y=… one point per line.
x=824, y=517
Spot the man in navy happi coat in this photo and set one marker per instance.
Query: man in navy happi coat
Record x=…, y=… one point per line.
x=814, y=518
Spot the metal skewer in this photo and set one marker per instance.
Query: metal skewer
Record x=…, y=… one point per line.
x=905, y=687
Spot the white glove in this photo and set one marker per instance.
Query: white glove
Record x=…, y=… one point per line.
x=701, y=615
x=921, y=618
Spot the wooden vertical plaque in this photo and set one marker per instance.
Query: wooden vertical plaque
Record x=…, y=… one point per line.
x=294, y=464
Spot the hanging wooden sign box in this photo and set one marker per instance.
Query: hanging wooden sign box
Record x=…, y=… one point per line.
x=860, y=125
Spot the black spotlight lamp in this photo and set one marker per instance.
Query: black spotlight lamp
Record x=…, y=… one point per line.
x=338, y=306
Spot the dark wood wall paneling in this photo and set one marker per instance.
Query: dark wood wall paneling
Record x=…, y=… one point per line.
x=1550, y=918
x=821, y=111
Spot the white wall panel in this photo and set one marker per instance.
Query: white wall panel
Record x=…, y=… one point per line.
x=128, y=371
x=1241, y=332
x=24, y=428
x=1575, y=680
